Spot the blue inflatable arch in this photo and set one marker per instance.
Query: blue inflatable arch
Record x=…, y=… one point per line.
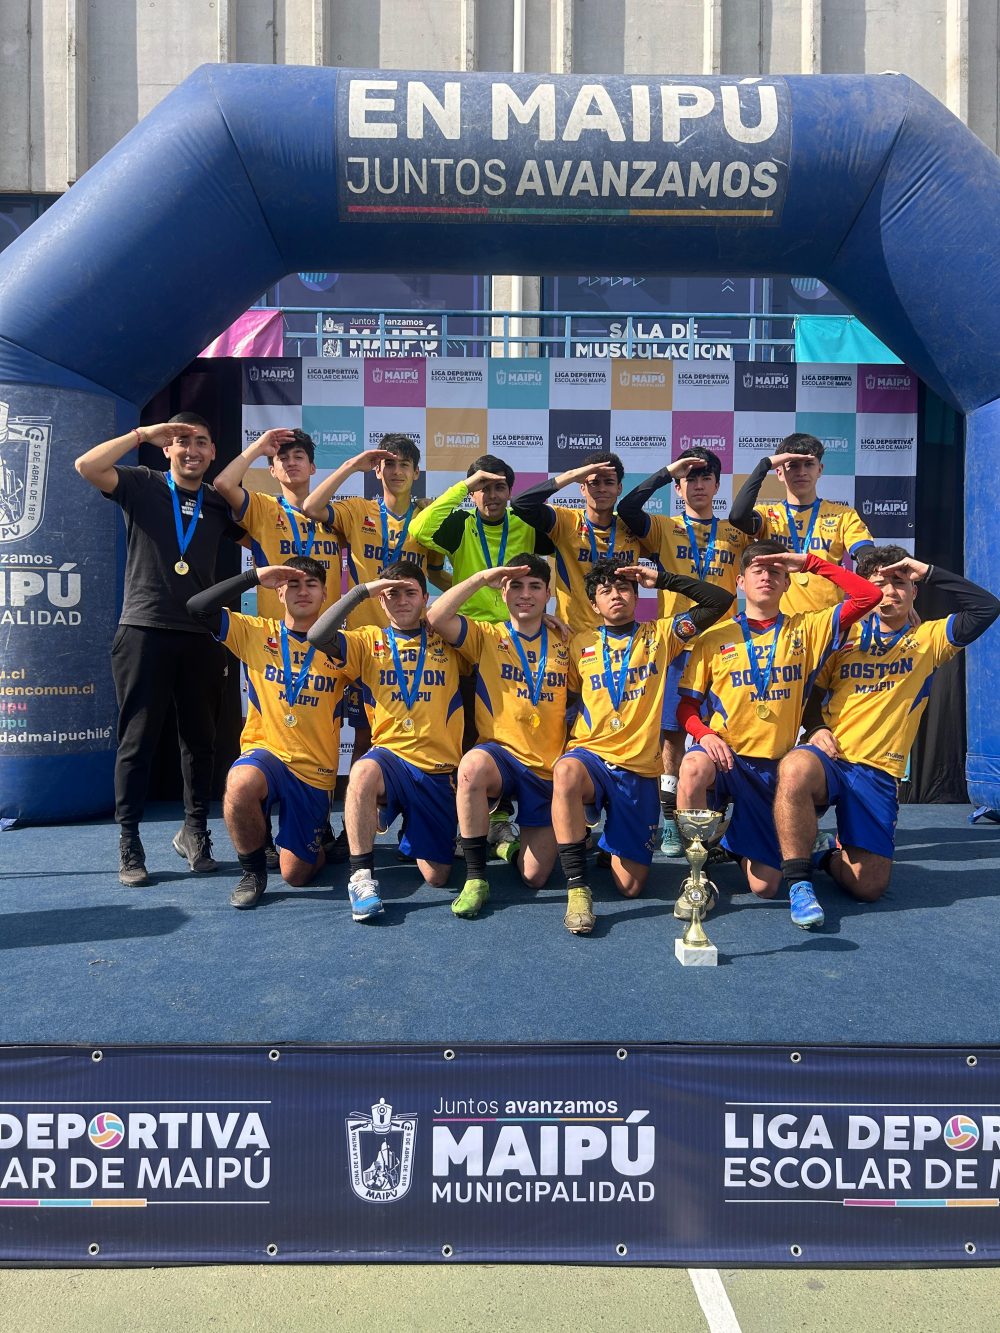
x=245, y=174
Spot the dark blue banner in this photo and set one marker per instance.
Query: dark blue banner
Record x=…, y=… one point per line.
x=647, y=1154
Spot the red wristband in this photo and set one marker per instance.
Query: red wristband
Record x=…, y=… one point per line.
x=138, y=437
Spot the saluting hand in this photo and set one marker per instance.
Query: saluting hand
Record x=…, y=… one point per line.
x=642, y=574
x=276, y=576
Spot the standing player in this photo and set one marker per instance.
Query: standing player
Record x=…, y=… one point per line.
x=613, y=758
x=173, y=524
x=581, y=537
x=521, y=718
x=290, y=740
x=408, y=675
x=755, y=672
x=694, y=543
x=876, y=686
x=802, y=521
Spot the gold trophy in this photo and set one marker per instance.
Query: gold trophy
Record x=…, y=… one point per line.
x=698, y=827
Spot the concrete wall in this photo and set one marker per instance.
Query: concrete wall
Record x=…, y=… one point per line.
x=77, y=76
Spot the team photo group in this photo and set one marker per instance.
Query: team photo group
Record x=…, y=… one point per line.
x=773, y=683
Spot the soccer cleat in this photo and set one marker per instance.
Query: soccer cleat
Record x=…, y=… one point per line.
x=682, y=907
x=670, y=841
x=806, y=911
x=363, y=892
x=502, y=833
x=335, y=848
x=271, y=858
x=825, y=842
x=579, y=918
x=195, y=845
x=471, y=901
x=132, y=862
x=249, y=891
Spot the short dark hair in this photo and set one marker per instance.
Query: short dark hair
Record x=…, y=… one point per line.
x=606, y=572
x=191, y=419
x=405, y=569
x=877, y=557
x=712, y=461
x=613, y=459
x=801, y=443
x=490, y=463
x=305, y=564
x=751, y=552
x=403, y=446
x=300, y=440
x=538, y=568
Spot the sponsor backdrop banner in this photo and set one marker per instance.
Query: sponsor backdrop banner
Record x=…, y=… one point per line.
x=648, y=1154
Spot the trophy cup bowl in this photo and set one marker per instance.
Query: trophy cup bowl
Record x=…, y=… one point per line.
x=698, y=827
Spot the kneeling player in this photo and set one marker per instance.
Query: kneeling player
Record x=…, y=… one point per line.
x=876, y=686
x=291, y=738
x=613, y=759
x=520, y=717
x=754, y=671
x=409, y=680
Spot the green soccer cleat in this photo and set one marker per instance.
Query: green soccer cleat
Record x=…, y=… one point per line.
x=471, y=901
x=579, y=918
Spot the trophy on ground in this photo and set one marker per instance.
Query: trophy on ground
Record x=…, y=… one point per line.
x=697, y=892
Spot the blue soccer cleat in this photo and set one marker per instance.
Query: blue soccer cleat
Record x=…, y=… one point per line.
x=806, y=911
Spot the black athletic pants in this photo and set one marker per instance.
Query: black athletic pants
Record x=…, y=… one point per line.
x=151, y=667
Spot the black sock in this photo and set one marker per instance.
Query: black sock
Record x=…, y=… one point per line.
x=254, y=862
x=668, y=803
x=796, y=870
x=364, y=862
x=573, y=859
x=475, y=850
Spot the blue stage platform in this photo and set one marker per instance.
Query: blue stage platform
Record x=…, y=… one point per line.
x=84, y=960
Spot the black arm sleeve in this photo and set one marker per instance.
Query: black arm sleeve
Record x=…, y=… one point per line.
x=711, y=601
x=742, y=515
x=323, y=634
x=977, y=608
x=631, y=507
x=205, y=606
x=531, y=506
x=451, y=531
x=812, y=714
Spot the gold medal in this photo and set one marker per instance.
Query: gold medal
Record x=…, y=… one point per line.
x=534, y=720
x=291, y=720
x=802, y=578
x=763, y=712
x=616, y=722
x=407, y=723
x=181, y=567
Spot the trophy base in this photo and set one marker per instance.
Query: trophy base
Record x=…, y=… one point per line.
x=689, y=955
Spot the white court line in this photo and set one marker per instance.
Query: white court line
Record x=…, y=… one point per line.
x=714, y=1302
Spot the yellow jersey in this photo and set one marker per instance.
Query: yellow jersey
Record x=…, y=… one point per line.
x=878, y=685
x=626, y=734
x=714, y=558
x=504, y=707
x=276, y=534
x=358, y=523
x=579, y=545
x=836, y=530
x=718, y=672
x=311, y=749
x=427, y=734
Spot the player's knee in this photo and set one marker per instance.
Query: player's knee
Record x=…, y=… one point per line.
x=800, y=767
x=472, y=774
x=365, y=779
x=533, y=877
x=242, y=783
x=628, y=886
x=697, y=769
x=871, y=883
x=568, y=777
x=298, y=874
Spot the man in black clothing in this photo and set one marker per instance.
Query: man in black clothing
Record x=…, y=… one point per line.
x=173, y=522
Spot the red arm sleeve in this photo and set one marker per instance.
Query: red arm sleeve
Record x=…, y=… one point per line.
x=688, y=717
x=862, y=596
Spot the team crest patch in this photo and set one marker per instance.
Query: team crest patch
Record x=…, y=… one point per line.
x=271, y=644
x=685, y=628
x=24, y=461
x=380, y=1147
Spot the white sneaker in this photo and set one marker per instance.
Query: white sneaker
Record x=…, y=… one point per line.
x=362, y=890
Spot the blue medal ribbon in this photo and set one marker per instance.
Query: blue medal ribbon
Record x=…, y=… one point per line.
x=481, y=530
x=616, y=687
x=301, y=548
x=593, y=539
x=391, y=556
x=761, y=679
x=409, y=692
x=293, y=687
x=184, y=535
x=701, y=567
x=534, y=682
x=793, y=532
x=871, y=629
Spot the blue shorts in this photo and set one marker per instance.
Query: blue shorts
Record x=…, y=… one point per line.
x=631, y=804
x=867, y=804
x=750, y=786
x=532, y=793
x=427, y=803
x=304, y=809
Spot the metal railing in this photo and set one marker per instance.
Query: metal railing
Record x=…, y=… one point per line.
x=357, y=331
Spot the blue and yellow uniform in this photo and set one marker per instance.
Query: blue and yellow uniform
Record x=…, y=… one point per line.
x=714, y=559
x=835, y=531
x=358, y=523
x=277, y=533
